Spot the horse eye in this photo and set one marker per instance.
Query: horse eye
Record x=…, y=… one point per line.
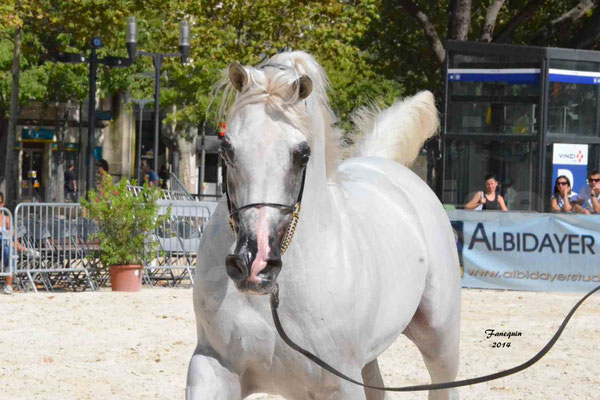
x=302, y=155
x=304, y=160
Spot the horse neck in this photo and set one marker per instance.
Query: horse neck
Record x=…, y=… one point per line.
x=316, y=201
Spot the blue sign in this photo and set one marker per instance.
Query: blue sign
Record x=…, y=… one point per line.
x=104, y=115
x=37, y=134
x=571, y=161
x=508, y=75
x=98, y=153
x=569, y=76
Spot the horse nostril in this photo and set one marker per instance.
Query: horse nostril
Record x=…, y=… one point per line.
x=273, y=266
x=235, y=268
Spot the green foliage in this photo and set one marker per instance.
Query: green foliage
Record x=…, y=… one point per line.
x=372, y=50
x=242, y=30
x=124, y=221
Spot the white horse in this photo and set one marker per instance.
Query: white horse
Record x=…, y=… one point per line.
x=373, y=254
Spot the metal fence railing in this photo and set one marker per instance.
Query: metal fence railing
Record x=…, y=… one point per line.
x=179, y=189
x=178, y=238
x=57, y=247
x=52, y=246
x=165, y=194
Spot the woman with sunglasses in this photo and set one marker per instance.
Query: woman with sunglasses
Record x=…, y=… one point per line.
x=563, y=199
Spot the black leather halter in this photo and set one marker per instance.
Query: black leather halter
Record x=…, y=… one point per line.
x=287, y=208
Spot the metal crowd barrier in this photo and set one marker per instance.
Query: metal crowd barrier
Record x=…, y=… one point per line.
x=56, y=247
x=53, y=246
x=165, y=194
x=178, y=238
x=6, y=242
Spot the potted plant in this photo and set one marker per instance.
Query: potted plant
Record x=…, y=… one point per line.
x=125, y=222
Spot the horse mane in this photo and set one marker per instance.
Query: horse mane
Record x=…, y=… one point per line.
x=272, y=83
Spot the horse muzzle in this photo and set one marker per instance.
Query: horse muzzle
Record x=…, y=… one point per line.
x=239, y=270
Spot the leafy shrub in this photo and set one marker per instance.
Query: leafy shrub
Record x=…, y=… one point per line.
x=125, y=220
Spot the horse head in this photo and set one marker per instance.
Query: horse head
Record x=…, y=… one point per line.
x=266, y=152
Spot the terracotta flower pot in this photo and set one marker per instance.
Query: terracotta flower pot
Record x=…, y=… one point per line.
x=126, y=278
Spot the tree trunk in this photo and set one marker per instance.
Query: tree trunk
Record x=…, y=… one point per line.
x=528, y=11
x=3, y=138
x=58, y=178
x=187, y=164
x=10, y=169
x=434, y=41
x=490, y=20
x=574, y=14
x=460, y=19
x=590, y=34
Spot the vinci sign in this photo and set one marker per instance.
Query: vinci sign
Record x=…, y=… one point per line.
x=571, y=161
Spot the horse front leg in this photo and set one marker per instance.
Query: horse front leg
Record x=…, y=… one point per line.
x=207, y=378
x=372, y=377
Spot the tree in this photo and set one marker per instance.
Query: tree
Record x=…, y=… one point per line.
x=399, y=42
x=243, y=30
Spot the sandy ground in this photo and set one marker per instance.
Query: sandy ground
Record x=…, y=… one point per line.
x=136, y=346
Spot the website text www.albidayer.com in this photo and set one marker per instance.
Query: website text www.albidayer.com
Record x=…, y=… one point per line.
x=533, y=275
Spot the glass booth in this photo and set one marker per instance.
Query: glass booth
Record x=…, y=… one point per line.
x=505, y=109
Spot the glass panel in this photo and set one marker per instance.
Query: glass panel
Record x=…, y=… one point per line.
x=491, y=61
x=488, y=114
x=31, y=174
x=493, y=95
x=573, y=105
x=468, y=162
x=572, y=109
x=575, y=65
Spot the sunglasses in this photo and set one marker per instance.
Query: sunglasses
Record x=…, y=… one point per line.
x=562, y=183
x=594, y=180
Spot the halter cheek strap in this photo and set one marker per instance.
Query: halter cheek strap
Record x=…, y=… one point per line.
x=293, y=209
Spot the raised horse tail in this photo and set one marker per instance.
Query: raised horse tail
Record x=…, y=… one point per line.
x=397, y=132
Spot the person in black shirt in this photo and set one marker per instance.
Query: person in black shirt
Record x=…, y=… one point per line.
x=164, y=175
x=70, y=183
x=488, y=199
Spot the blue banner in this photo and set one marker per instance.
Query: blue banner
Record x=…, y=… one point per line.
x=528, y=251
x=570, y=160
x=571, y=76
x=37, y=134
x=508, y=75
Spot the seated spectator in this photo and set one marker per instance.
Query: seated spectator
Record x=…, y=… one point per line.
x=5, y=244
x=150, y=177
x=563, y=199
x=102, y=167
x=488, y=199
x=592, y=205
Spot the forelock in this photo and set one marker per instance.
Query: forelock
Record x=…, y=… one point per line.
x=272, y=84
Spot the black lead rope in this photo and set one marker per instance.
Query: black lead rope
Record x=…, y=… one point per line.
x=434, y=386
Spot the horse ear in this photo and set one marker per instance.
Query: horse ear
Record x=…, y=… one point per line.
x=238, y=76
x=305, y=86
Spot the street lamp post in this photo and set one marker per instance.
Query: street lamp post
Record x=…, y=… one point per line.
x=157, y=59
x=93, y=62
x=141, y=104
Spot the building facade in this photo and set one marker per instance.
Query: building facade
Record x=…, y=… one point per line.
x=523, y=113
